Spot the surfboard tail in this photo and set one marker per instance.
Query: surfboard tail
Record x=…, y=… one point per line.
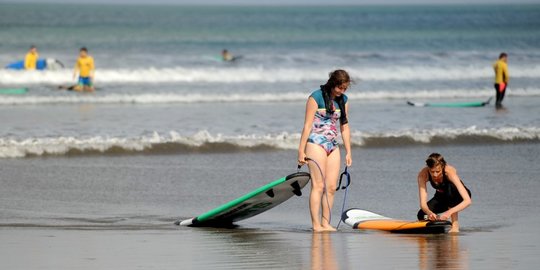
x=416, y=104
x=187, y=222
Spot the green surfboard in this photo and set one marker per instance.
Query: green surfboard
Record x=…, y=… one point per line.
x=253, y=203
x=451, y=104
x=13, y=91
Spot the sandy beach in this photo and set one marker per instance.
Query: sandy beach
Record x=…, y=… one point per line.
x=60, y=213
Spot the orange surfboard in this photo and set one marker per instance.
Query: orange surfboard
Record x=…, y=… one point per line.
x=366, y=220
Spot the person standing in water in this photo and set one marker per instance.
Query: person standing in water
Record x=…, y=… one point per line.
x=85, y=68
x=325, y=107
x=451, y=195
x=501, y=78
x=31, y=58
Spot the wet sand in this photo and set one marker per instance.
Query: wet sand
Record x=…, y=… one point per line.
x=117, y=212
x=181, y=248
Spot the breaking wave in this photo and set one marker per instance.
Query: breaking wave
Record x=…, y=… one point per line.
x=204, y=142
x=261, y=74
x=159, y=98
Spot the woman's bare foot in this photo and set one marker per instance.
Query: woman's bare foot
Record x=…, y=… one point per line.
x=318, y=229
x=329, y=228
x=454, y=230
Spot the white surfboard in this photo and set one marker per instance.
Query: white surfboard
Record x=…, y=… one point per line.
x=366, y=220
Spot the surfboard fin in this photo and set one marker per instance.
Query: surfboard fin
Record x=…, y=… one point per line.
x=270, y=193
x=296, y=188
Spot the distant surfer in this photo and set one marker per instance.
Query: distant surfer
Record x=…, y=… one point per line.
x=227, y=56
x=501, y=78
x=85, y=68
x=451, y=195
x=31, y=58
x=325, y=107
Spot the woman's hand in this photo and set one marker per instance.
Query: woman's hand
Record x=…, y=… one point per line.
x=348, y=159
x=302, y=158
x=432, y=216
x=444, y=216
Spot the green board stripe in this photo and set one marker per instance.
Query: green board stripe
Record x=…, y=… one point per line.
x=13, y=91
x=458, y=104
x=237, y=201
x=451, y=104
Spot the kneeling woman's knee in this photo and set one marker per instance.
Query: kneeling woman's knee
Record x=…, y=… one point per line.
x=421, y=215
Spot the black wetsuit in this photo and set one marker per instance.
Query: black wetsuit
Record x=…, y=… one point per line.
x=446, y=197
x=499, y=95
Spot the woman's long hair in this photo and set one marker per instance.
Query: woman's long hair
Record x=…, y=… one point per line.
x=336, y=78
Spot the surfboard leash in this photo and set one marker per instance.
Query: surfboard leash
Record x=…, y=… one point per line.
x=346, y=188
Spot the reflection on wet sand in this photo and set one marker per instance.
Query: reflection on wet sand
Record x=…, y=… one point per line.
x=86, y=108
x=323, y=256
x=242, y=248
x=441, y=252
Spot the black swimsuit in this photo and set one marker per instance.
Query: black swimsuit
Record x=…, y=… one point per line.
x=446, y=196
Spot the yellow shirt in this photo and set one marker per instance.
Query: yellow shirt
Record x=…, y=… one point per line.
x=30, y=61
x=501, y=72
x=85, y=66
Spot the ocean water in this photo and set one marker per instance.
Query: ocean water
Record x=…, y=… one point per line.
x=154, y=61
x=96, y=181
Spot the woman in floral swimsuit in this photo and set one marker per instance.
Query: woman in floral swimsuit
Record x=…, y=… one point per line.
x=325, y=107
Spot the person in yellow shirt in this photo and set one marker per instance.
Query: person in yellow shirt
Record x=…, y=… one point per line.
x=501, y=78
x=30, y=60
x=85, y=68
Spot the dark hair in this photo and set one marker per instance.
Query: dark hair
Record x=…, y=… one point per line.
x=336, y=77
x=32, y=47
x=502, y=55
x=83, y=49
x=434, y=160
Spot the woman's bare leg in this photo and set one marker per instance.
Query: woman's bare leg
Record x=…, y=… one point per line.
x=317, y=153
x=333, y=163
x=455, y=223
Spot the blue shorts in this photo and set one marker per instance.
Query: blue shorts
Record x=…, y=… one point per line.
x=85, y=81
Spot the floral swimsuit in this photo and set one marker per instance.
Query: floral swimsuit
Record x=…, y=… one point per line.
x=324, y=130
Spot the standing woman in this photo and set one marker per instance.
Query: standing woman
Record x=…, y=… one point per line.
x=451, y=195
x=325, y=107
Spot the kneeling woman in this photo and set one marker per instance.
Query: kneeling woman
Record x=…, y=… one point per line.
x=319, y=142
x=451, y=195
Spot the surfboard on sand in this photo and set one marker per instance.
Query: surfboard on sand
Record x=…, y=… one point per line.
x=13, y=91
x=366, y=220
x=451, y=104
x=253, y=203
